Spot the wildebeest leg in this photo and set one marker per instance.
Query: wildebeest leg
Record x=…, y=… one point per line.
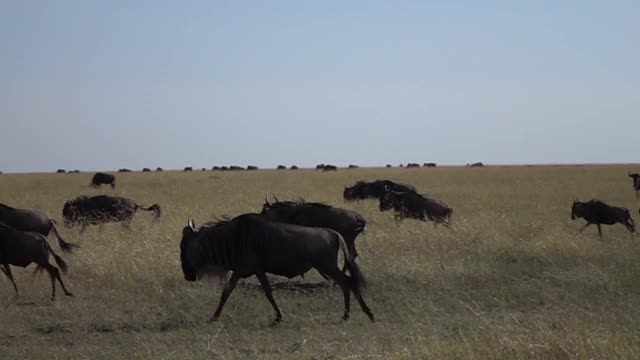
x=7, y=271
x=583, y=227
x=266, y=287
x=599, y=230
x=233, y=281
x=54, y=273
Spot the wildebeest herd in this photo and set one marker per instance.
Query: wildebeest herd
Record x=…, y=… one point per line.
x=287, y=238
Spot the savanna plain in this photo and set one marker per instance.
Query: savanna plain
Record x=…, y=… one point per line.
x=510, y=280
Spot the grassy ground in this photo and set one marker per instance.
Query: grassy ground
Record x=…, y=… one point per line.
x=510, y=281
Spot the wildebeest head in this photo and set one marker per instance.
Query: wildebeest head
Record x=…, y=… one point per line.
x=354, y=192
x=636, y=179
x=70, y=211
x=577, y=209
x=388, y=201
x=190, y=251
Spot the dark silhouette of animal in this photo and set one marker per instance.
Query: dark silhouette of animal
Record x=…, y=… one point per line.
x=281, y=167
x=252, y=167
x=33, y=221
x=373, y=190
x=347, y=222
x=636, y=182
x=124, y=170
x=351, y=166
x=158, y=169
x=413, y=205
x=75, y=171
x=389, y=166
x=430, y=165
x=330, y=168
x=101, y=178
x=236, y=168
x=478, y=164
x=320, y=167
x=413, y=165
x=146, y=170
x=188, y=168
x=20, y=248
x=293, y=167
x=224, y=168
x=251, y=244
x=598, y=213
x=61, y=171
x=215, y=168
x=102, y=209
x=203, y=169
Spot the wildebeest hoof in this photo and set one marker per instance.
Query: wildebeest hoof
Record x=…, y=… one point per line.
x=345, y=317
x=213, y=319
x=69, y=294
x=275, y=322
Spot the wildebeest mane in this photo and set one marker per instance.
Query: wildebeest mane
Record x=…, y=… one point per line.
x=301, y=202
x=78, y=199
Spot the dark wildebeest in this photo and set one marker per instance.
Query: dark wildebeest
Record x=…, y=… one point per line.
x=33, y=221
x=597, y=212
x=373, y=190
x=252, y=167
x=251, y=244
x=158, y=169
x=431, y=165
x=330, y=168
x=101, y=178
x=215, y=168
x=75, y=171
x=281, y=167
x=224, y=168
x=293, y=167
x=413, y=165
x=413, y=205
x=203, y=169
x=351, y=166
x=124, y=170
x=348, y=223
x=61, y=171
x=188, y=168
x=478, y=164
x=101, y=209
x=320, y=167
x=146, y=170
x=20, y=248
x=636, y=182
x=389, y=166
x=235, y=167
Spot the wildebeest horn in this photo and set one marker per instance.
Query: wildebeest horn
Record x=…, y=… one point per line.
x=266, y=200
x=275, y=197
x=191, y=224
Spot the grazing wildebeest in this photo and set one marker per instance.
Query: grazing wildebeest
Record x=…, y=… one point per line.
x=389, y=166
x=146, y=170
x=203, y=169
x=598, y=213
x=188, y=168
x=347, y=222
x=252, y=167
x=320, y=167
x=101, y=178
x=101, y=209
x=215, y=168
x=351, y=166
x=75, y=171
x=330, y=168
x=413, y=205
x=373, y=190
x=251, y=244
x=478, y=164
x=224, y=168
x=413, y=165
x=235, y=167
x=20, y=248
x=33, y=221
x=429, y=165
x=636, y=182
x=293, y=167
x=124, y=170
x=158, y=169
x=281, y=167
x=61, y=171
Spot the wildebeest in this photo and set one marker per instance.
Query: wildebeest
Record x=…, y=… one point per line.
x=252, y=167
x=389, y=166
x=373, y=190
x=429, y=164
x=351, y=166
x=413, y=165
x=347, y=222
x=251, y=244
x=20, y=248
x=281, y=167
x=188, y=168
x=330, y=168
x=124, y=170
x=293, y=167
x=236, y=167
x=101, y=178
x=478, y=164
x=33, y=221
x=320, y=167
x=146, y=170
x=598, y=213
x=636, y=182
x=413, y=205
x=61, y=171
x=101, y=209
x=76, y=171
x=203, y=169
x=224, y=168
x=158, y=169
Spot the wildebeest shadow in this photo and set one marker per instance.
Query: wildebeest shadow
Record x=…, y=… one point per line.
x=292, y=286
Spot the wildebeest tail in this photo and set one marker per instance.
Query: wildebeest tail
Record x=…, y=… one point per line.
x=352, y=267
x=65, y=246
x=61, y=263
x=155, y=208
x=630, y=224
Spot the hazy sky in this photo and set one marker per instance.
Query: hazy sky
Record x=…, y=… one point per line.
x=111, y=84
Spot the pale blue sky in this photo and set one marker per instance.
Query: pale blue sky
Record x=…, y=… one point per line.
x=110, y=84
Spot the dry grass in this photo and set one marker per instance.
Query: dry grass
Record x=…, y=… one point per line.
x=510, y=281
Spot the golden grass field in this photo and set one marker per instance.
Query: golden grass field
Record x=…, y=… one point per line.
x=511, y=280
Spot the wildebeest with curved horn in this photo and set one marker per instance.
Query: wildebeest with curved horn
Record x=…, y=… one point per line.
x=373, y=190
x=251, y=244
x=101, y=209
x=19, y=248
x=598, y=213
x=416, y=206
x=636, y=182
x=33, y=221
x=347, y=222
x=101, y=178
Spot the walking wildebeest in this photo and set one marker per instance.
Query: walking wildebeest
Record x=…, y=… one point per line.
x=188, y=168
x=101, y=178
x=388, y=166
x=101, y=209
x=33, y=221
x=413, y=165
x=250, y=244
x=330, y=168
x=293, y=167
x=598, y=213
x=252, y=167
x=146, y=170
x=413, y=205
x=20, y=248
x=636, y=182
x=478, y=164
x=158, y=169
x=320, y=167
x=429, y=164
x=61, y=171
x=124, y=170
x=373, y=190
x=281, y=167
x=347, y=222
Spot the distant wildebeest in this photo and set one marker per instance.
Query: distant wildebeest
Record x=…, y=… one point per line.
x=252, y=167
x=401, y=165
x=478, y=164
x=281, y=167
x=224, y=168
x=215, y=168
x=293, y=167
x=124, y=170
x=20, y=248
x=413, y=205
x=413, y=165
x=598, y=213
x=203, y=169
x=636, y=182
x=347, y=222
x=188, y=168
x=101, y=209
x=236, y=168
x=373, y=190
x=429, y=165
x=158, y=169
x=351, y=166
x=251, y=244
x=389, y=166
x=320, y=167
x=146, y=170
x=330, y=168
x=33, y=221
x=101, y=178
x=76, y=171
x=61, y=171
